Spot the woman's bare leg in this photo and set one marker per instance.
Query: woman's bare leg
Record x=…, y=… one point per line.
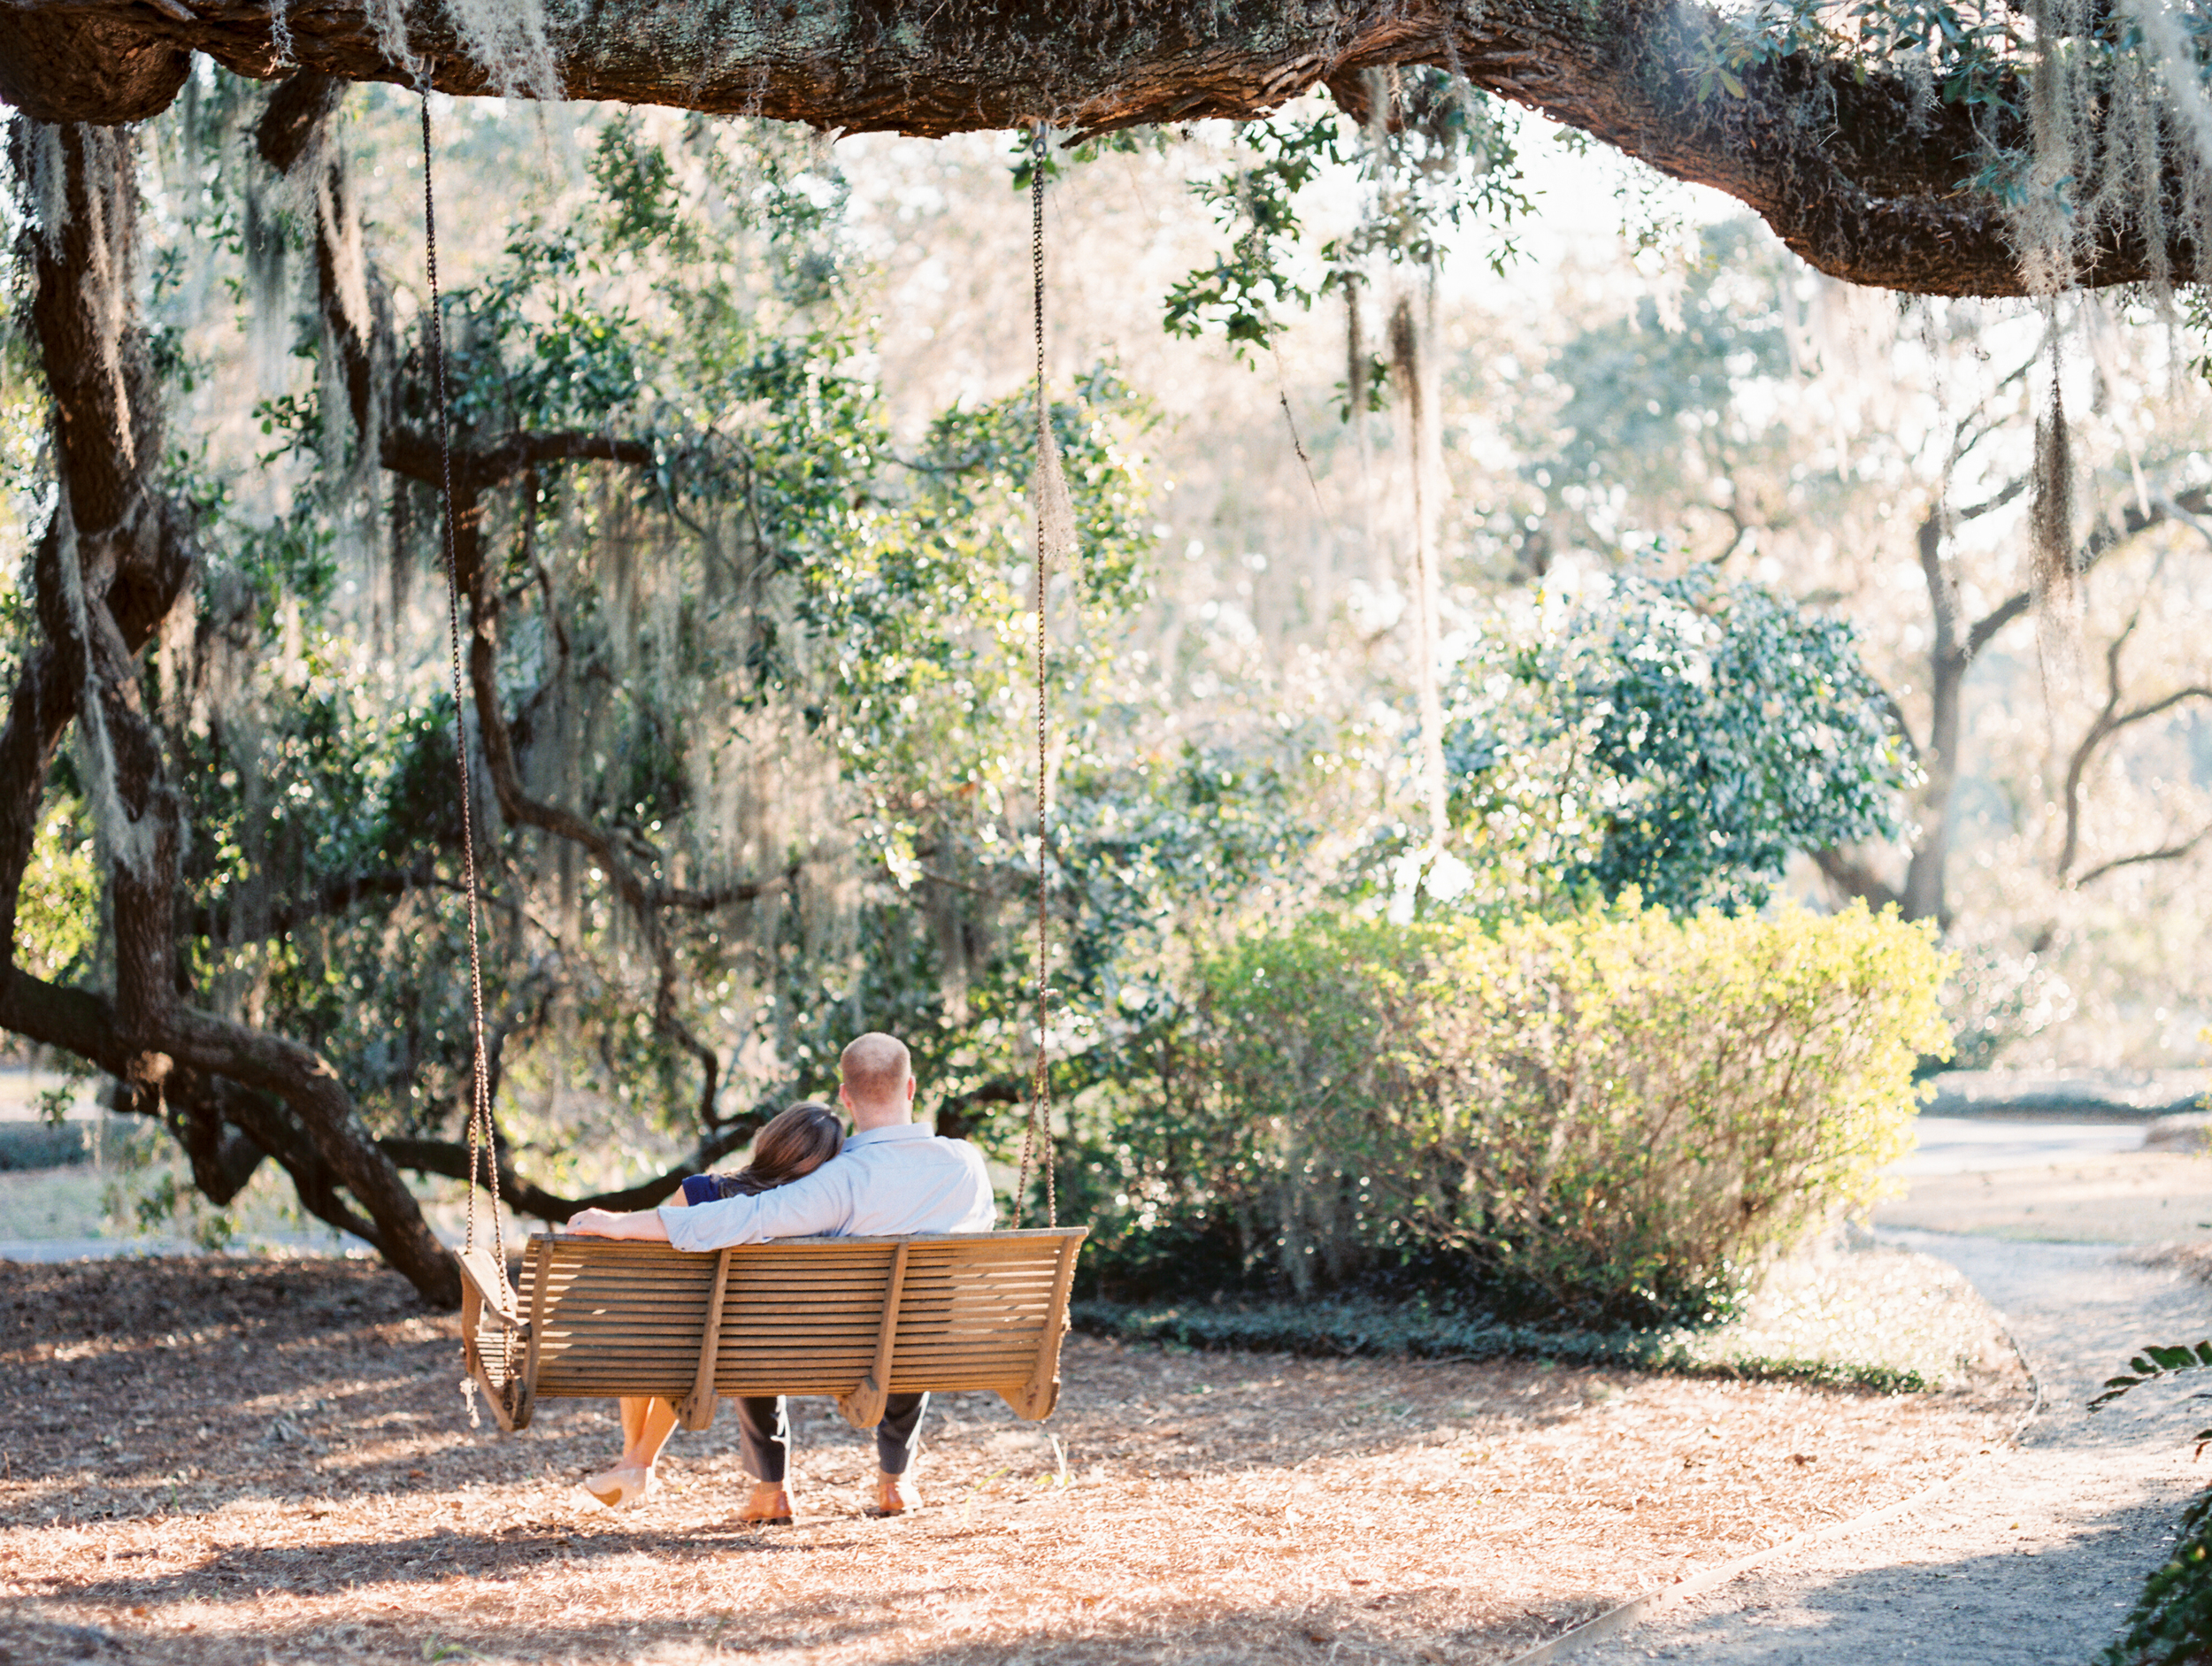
x=646, y=1426
x=646, y=1423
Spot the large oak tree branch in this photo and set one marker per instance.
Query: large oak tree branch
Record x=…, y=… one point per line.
x=450, y=1159
x=223, y=923
x=1862, y=176
x=483, y=466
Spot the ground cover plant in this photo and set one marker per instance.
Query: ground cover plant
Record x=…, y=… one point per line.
x=1844, y=1314
x=209, y=1461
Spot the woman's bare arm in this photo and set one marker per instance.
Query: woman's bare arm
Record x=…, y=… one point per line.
x=644, y=1225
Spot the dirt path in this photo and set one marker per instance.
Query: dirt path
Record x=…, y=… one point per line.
x=2033, y=1558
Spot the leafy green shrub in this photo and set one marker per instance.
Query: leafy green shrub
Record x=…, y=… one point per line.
x=1679, y=736
x=1617, y=1114
x=50, y=1144
x=42, y=1144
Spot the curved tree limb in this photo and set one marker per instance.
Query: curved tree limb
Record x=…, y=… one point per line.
x=252, y=1126
x=2112, y=718
x=449, y=1158
x=2164, y=853
x=1852, y=166
x=2134, y=521
x=333, y=896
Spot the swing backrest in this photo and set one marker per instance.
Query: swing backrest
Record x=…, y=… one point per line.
x=853, y=1317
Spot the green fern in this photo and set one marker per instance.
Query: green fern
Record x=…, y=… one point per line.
x=2154, y=1364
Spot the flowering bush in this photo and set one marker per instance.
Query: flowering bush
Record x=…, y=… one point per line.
x=1618, y=1113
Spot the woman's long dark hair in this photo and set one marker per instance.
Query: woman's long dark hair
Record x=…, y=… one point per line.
x=798, y=1141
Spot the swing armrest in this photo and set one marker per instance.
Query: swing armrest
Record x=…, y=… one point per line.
x=480, y=1274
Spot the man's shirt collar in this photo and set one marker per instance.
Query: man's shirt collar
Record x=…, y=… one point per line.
x=884, y=1136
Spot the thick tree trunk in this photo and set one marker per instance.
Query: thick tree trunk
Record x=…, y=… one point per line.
x=1862, y=177
x=113, y=560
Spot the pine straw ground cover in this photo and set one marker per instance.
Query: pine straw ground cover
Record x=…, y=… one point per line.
x=244, y=1463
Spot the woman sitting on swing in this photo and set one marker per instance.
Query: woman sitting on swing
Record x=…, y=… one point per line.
x=798, y=1141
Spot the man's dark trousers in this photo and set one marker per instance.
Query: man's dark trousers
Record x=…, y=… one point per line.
x=764, y=1432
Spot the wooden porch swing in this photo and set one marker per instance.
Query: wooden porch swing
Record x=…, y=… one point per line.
x=857, y=1318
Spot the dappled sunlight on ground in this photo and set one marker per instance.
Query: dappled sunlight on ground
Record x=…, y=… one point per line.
x=233, y=1462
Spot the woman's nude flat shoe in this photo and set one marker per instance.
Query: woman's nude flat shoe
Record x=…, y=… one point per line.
x=620, y=1488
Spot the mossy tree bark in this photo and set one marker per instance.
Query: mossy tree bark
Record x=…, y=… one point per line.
x=114, y=558
x=1862, y=176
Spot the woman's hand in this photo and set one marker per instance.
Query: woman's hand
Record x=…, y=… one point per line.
x=642, y=1225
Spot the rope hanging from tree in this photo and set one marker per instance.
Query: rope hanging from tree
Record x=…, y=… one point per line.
x=483, y=1154
x=1037, y=1136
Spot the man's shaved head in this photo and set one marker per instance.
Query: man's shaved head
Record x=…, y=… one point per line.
x=876, y=1069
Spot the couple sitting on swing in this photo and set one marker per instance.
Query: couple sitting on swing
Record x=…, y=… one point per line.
x=888, y=1179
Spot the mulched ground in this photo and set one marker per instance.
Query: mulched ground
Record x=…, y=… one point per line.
x=245, y=1462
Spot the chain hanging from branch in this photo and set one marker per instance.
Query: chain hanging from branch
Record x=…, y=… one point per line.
x=1056, y=536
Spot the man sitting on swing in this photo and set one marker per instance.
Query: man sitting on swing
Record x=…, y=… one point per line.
x=891, y=1180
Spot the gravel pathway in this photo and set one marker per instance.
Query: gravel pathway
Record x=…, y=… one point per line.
x=2036, y=1553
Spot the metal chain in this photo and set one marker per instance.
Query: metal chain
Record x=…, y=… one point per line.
x=1038, y=1135
x=482, y=1150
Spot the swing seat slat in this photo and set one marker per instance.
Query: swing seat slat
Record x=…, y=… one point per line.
x=854, y=1317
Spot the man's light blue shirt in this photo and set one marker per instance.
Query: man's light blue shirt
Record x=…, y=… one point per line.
x=886, y=1183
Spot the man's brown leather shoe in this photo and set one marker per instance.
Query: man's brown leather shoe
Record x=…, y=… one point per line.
x=770, y=1505
x=895, y=1495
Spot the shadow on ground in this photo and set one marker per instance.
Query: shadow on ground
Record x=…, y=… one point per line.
x=2016, y=1608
